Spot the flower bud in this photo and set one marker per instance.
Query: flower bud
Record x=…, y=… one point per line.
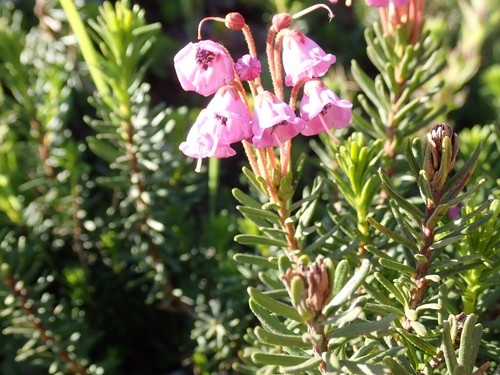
x=310, y=286
x=281, y=21
x=440, y=154
x=234, y=21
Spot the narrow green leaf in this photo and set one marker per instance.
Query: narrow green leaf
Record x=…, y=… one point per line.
x=448, y=348
x=342, y=271
x=255, y=260
x=454, y=262
x=242, y=369
x=439, y=212
x=407, y=242
x=273, y=305
x=250, y=239
x=417, y=123
x=456, y=183
x=418, y=342
x=277, y=359
x=391, y=288
x=257, y=182
x=284, y=263
x=362, y=329
x=103, y=149
x=366, y=127
x=425, y=187
x=150, y=28
x=268, y=320
x=365, y=83
x=245, y=199
x=351, y=367
x=397, y=266
x=462, y=197
x=322, y=239
x=280, y=339
x=394, y=366
x=271, y=216
x=412, y=161
x=403, y=202
x=378, y=253
x=317, y=187
x=383, y=309
x=345, y=316
x=446, y=241
x=310, y=364
x=349, y=288
x=407, y=109
x=460, y=370
x=469, y=343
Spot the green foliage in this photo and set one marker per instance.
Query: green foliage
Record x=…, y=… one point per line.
x=379, y=254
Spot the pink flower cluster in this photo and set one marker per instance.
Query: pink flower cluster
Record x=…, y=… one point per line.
x=207, y=68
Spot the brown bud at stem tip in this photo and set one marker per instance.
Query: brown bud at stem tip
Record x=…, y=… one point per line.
x=440, y=154
x=316, y=282
x=234, y=21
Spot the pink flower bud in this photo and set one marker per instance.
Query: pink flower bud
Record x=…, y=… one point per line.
x=273, y=121
x=248, y=67
x=322, y=109
x=234, y=21
x=302, y=57
x=281, y=21
x=203, y=67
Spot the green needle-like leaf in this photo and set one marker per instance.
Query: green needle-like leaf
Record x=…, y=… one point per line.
x=391, y=288
x=469, y=343
x=245, y=199
x=280, y=339
x=349, y=288
x=268, y=320
x=407, y=242
x=250, y=239
x=273, y=305
x=397, y=266
x=302, y=368
x=448, y=348
x=418, y=342
x=278, y=359
x=394, y=366
x=403, y=202
x=360, y=329
x=439, y=212
x=255, y=260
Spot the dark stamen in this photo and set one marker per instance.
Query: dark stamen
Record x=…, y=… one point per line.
x=325, y=109
x=204, y=57
x=221, y=119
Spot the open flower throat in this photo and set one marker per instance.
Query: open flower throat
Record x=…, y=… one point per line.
x=207, y=68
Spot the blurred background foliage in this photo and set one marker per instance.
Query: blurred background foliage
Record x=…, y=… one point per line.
x=121, y=268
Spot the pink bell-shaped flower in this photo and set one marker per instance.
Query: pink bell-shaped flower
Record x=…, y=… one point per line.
x=322, y=109
x=225, y=120
x=202, y=142
x=231, y=115
x=203, y=67
x=385, y=3
x=248, y=67
x=273, y=121
x=302, y=57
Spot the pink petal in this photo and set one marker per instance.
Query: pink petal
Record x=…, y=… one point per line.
x=203, y=67
x=302, y=57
